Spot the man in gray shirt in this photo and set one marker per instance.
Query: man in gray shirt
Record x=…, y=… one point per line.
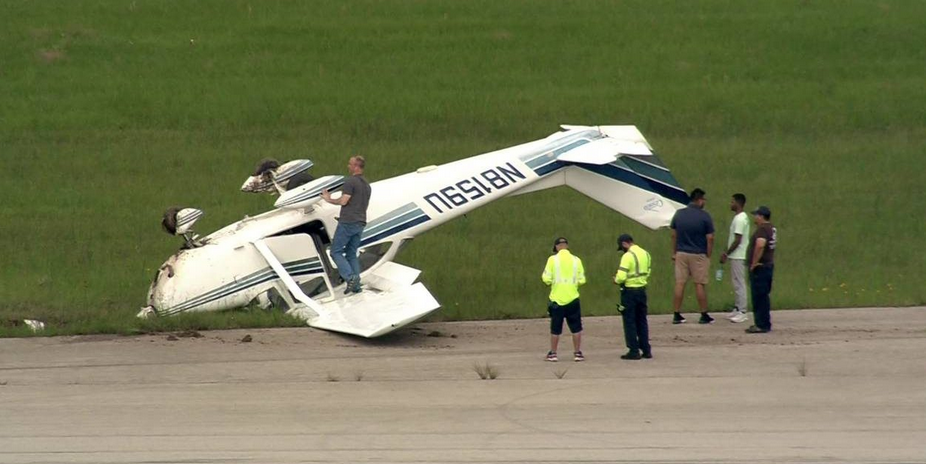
x=354, y=199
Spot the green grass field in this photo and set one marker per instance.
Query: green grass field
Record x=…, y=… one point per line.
x=112, y=111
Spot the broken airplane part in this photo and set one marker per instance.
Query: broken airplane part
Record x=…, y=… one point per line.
x=281, y=257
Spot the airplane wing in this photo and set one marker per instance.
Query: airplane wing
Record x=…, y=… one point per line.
x=619, y=140
x=613, y=165
x=375, y=312
x=389, y=301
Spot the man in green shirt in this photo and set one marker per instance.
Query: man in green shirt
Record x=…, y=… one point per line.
x=736, y=255
x=632, y=277
x=564, y=274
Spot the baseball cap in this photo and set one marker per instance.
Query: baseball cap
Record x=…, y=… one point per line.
x=624, y=238
x=764, y=211
x=558, y=241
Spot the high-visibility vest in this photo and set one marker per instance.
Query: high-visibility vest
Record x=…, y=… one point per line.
x=635, y=268
x=564, y=274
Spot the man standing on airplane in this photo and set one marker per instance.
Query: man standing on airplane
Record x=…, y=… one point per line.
x=354, y=200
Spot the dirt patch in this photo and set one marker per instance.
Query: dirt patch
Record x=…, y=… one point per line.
x=51, y=56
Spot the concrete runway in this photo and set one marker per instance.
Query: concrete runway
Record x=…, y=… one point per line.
x=826, y=386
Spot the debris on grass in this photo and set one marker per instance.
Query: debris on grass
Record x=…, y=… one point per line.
x=35, y=325
x=802, y=368
x=333, y=378
x=247, y=339
x=560, y=373
x=172, y=338
x=358, y=376
x=435, y=333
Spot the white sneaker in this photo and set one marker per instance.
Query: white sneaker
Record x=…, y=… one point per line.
x=733, y=312
x=739, y=317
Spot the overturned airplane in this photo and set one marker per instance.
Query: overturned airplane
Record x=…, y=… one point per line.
x=281, y=257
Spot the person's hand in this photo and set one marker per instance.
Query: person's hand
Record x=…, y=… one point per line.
x=723, y=258
x=752, y=267
x=326, y=195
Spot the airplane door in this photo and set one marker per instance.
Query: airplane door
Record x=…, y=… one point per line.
x=303, y=259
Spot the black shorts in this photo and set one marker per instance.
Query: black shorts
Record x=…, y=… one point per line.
x=571, y=312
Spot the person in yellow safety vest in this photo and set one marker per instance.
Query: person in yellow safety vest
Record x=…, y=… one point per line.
x=564, y=274
x=632, y=276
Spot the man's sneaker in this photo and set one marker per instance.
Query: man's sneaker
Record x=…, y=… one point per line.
x=739, y=317
x=733, y=312
x=551, y=356
x=352, y=286
x=705, y=319
x=755, y=330
x=631, y=355
x=579, y=357
x=678, y=319
x=647, y=355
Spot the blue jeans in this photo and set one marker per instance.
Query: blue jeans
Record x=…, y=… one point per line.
x=344, y=249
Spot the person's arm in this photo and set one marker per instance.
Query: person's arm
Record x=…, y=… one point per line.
x=757, y=253
x=341, y=201
x=547, y=276
x=621, y=276
x=737, y=238
x=581, y=270
x=347, y=191
x=710, y=244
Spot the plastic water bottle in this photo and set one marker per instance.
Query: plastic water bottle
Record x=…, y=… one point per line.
x=719, y=274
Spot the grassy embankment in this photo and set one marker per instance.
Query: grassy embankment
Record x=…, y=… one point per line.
x=112, y=111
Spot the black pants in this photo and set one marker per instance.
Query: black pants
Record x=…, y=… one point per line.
x=761, y=281
x=636, y=329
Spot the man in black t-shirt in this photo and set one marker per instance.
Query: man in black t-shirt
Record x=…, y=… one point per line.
x=354, y=200
x=761, y=256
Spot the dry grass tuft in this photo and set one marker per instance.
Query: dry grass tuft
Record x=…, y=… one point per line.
x=486, y=371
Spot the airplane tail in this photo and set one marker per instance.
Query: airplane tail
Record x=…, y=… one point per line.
x=615, y=166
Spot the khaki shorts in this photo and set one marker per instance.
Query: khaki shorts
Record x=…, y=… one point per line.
x=691, y=265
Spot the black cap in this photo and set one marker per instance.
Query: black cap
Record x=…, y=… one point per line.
x=558, y=241
x=764, y=211
x=623, y=238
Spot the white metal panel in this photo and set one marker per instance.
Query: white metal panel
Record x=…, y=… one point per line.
x=371, y=314
x=645, y=207
x=390, y=275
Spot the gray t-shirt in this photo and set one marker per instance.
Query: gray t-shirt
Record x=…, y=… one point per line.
x=692, y=225
x=356, y=208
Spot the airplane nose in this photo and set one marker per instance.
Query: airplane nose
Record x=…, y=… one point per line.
x=158, y=291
